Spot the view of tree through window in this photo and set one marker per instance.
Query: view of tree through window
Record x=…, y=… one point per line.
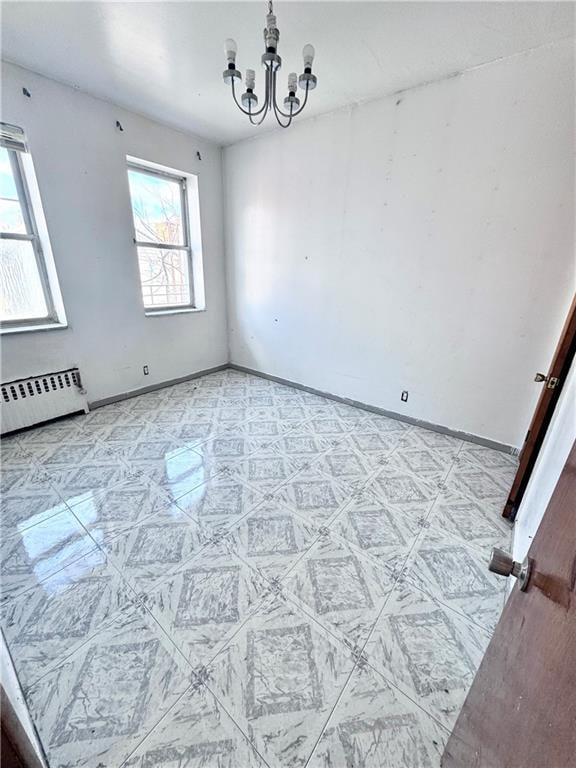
x=159, y=210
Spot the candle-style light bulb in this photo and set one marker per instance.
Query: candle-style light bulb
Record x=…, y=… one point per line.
x=250, y=79
x=292, y=82
x=308, y=54
x=231, y=49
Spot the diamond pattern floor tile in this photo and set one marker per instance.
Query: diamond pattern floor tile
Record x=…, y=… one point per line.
x=57, y=433
x=314, y=496
x=82, y=483
x=383, y=532
x=404, y=490
x=435, y=440
x=23, y=509
x=219, y=503
x=271, y=539
x=344, y=591
x=347, y=466
x=26, y=478
x=375, y=725
x=279, y=679
x=108, y=512
x=430, y=463
x=154, y=547
x=13, y=454
x=373, y=445
x=471, y=521
x=98, y=705
x=457, y=575
x=204, y=601
x=35, y=553
x=266, y=470
x=52, y=618
x=177, y=473
x=486, y=486
x=196, y=733
x=427, y=650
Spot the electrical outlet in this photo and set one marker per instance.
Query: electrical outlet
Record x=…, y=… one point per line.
x=146, y=370
x=404, y=396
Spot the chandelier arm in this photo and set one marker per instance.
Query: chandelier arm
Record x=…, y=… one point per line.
x=280, y=123
x=240, y=107
x=294, y=114
x=260, y=121
x=291, y=114
x=278, y=112
x=271, y=86
x=266, y=106
x=303, y=103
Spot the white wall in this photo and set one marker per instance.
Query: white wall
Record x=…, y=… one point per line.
x=80, y=161
x=549, y=465
x=421, y=242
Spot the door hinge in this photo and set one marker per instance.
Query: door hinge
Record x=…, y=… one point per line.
x=551, y=381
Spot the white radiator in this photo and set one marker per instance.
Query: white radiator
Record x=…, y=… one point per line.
x=39, y=398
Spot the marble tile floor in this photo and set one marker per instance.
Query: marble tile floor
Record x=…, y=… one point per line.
x=232, y=573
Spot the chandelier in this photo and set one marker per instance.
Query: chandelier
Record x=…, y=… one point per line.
x=271, y=63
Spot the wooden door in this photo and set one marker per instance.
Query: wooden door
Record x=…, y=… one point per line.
x=16, y=749
x=552, y=386
x=521, y=709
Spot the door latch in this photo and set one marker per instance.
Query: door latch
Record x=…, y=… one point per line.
x=502, y=563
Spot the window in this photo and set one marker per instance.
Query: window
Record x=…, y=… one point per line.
x=29, y=294
x=162, y=234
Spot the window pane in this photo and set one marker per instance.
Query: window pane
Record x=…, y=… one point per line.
x=157, y=208
x=21, y=292
x=7, y=185
x=165, y=277
x=11, y=219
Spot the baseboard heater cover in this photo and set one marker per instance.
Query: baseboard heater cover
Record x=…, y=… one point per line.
x=30, y=401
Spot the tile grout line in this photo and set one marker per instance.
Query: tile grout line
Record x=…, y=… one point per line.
x=164, y=716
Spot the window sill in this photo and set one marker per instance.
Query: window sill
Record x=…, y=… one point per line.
x=163, y=312
x=31, y=328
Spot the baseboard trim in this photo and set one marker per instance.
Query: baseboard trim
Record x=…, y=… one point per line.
x=470, y=438
x=153, y=387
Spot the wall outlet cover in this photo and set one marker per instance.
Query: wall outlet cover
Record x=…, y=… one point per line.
x=404, y=396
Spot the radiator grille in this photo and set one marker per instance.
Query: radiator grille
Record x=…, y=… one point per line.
x=40, y=385
x=26, y=402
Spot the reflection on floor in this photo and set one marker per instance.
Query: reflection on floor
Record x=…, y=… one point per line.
x=233, y=573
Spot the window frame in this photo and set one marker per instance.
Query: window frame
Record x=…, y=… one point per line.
x=33, y=237
x=182, y=184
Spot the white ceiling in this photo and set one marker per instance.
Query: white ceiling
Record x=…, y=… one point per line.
x=165, y=59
